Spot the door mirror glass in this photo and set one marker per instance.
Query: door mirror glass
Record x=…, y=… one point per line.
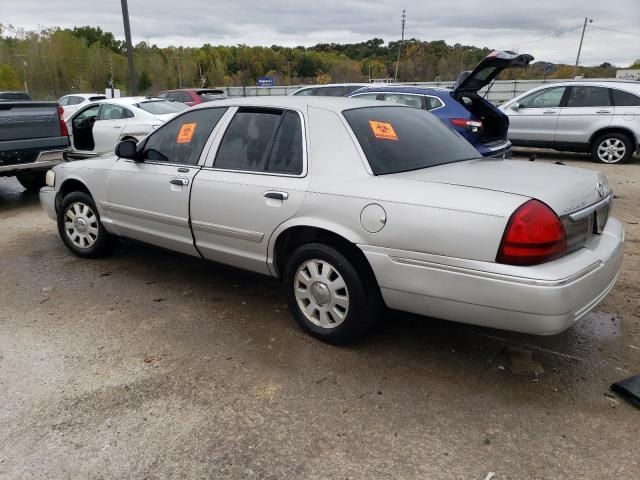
x=127, y=149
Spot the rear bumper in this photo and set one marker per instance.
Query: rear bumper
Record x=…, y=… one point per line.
x=495, y=150
x=44, y=160
x=543, y=300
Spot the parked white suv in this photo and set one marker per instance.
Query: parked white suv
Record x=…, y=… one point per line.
x=600, y=117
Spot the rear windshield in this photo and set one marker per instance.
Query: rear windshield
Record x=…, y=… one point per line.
x=162, y=107
x=398, y=139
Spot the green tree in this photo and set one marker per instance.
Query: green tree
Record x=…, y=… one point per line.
x=144, y=82
x=9, y=78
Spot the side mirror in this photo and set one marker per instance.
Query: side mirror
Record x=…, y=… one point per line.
x=515, y=106
x=128, y=149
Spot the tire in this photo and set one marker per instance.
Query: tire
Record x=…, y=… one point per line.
x=80, y=228
x=328, y=296
x=612, y=148
x=32, y=181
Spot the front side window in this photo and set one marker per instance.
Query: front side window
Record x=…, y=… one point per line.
x=625, y=99
x=588, y=97
x=182, y=139
x=305, y=92
x=114, y=112
x=262, y=140
x=398, y=139
x=548, y=98
x=88, y=113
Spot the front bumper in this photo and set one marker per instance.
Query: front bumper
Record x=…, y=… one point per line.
x=48, y=201
x=544, y=300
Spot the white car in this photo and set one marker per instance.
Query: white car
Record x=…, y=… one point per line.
x=97, y=128
x=353, y=203
x=73, y=102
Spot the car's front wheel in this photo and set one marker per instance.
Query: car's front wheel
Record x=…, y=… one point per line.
x=612, y=148
x=328, y=296
x=80, y=227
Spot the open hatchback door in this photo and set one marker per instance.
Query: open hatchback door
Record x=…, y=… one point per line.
x=488, y=69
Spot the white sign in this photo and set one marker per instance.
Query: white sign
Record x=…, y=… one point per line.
x=628, y=74
x=116, y=92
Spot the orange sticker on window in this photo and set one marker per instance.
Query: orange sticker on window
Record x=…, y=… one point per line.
x=383, y=130
x=186, y=132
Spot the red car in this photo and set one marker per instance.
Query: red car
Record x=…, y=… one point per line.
x=193, y=96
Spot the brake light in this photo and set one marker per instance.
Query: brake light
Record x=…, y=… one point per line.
x=471, y=125
x=533, y=235
x=64, y=131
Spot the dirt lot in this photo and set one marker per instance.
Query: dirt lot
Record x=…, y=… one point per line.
x=155, y=365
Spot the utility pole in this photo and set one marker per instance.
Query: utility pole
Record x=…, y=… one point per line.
x=111, y=74
x=24, y=69
x=584, y=27
x=403, y=19
x=127, y=37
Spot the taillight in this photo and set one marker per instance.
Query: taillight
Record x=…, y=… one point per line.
x=533, y=235
x=471, y=125
x=64, y=131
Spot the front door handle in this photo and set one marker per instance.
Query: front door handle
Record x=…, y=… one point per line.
x=183, y=170
x=549, y=112
x=183, y=182
x=117, y=126
x=603, y=111
x=276, y=195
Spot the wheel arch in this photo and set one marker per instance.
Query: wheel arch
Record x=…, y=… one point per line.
x=287, y=238
x=69, y=185
x=614, y=129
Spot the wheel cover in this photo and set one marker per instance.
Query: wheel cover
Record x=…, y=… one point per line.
x=611, y=150
x=321, y=293
x=81, y=225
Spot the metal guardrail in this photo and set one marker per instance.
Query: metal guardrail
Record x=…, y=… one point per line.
x=501, y=90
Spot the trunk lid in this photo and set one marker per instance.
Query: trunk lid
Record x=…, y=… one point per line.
x=488, y=69
x=565, y=189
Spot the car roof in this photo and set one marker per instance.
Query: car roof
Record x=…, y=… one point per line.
x=84, y=95
x=631, y=85
x=437, y=91
x=131, y=101
x=336, y=104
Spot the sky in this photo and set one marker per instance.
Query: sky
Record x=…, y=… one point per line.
x=548, y=29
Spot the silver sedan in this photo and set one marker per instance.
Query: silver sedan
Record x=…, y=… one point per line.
x=354, y=205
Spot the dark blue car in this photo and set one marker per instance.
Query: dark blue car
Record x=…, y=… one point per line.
x=462, y=108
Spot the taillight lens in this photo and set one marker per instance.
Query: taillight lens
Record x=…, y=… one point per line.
x=471, y=125
x=64, y=131
x=533, y=235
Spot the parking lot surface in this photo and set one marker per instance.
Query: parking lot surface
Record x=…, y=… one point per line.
x=150, y=364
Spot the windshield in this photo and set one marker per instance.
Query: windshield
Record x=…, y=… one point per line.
x=161, y=107
x=398, y=139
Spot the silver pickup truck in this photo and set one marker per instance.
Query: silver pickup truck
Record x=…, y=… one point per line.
x=33, y=138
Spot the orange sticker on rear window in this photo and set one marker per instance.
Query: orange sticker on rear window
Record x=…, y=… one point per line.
x=186, y=132
x=383, y=130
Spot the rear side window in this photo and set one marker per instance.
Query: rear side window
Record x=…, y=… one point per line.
x=305, y=92
x=369, y=96
x=161, y=107
x=398, y=139
x=433, y=102
x=262, y=140
x=182, y=139
x=625, y=99
x=331, y=91
x=404, y=99
x=588, y=97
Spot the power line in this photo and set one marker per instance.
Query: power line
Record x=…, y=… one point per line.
x=613, y=30
x=554, y=34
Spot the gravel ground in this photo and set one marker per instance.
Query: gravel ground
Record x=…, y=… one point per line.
x=154, y=365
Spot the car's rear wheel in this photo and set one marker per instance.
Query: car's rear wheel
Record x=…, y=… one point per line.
x=32, y=181
x=612, y=148
x=80, y=227
x=328, y=296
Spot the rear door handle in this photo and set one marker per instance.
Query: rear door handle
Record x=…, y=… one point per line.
x=603, y=111
x=276, y=195
x=549, y=112
x=183, y=182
